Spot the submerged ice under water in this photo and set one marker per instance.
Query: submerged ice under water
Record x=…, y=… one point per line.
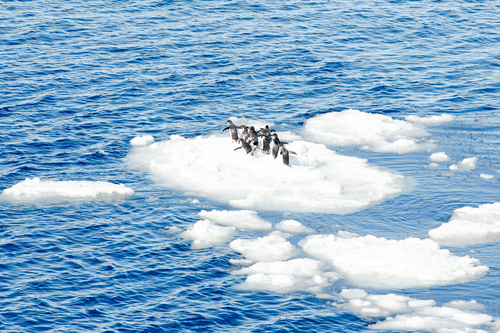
x=125, y=208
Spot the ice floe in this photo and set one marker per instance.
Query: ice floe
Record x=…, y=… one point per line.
x=242, y=219
x=374, y=262
x=439, y=157
x=486, y=176
x=36, y=190
x=470, y=225
x=468, y=163
x=268, y=248
x=414, y=314
x=141, y=141
x=205, y=233
x=372, y=131
x=319, y=181
x=292, y=226
x=432, y=120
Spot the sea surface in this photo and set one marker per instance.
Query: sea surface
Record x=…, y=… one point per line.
x=80, y=79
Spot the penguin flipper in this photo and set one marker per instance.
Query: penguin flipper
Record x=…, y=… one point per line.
x=225, y=129
x=237, y=148
x=292, y=152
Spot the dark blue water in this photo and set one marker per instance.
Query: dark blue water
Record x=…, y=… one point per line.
x=78, y=80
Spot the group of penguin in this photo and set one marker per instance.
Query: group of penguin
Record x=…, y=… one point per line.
x=249, y=140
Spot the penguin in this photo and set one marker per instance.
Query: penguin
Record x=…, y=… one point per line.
x=276, y=145
x=233, y=130
x=286, y=157
x=266, y=139
x=245, y=145
x=244, y=135
x=252, y=134
x=266, y=130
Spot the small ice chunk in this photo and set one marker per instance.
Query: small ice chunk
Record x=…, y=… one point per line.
x=152, y=199
x=353, y=293
x=195, y=201
x=281, y=234
x=432, y=120
x=205, y=233
x=268, y=248
x=174, y=229
x=297, y=267
x=35, y=189
x=453, y=168
x=375, y=262
x=433, y=165
x=242, y=219
x=486, y=176
x=470, y=225
x=292, y=226
x=468, y=163
x=141, y=141
x=439, y=157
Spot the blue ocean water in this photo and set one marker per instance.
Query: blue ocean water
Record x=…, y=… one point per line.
x=80, y=79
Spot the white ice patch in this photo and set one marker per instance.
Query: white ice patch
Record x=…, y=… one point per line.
x=284, y=276
x=468, y=163
x=141, y=141
x=433, y=165
x=36, y=190
x=453, y=168
x=205, y=234
x=374, y=262
x=432, y=120
x=486, y=176
x=319, y=181
x=414, y=314
x=268, y=248
x=439, y=157
x=292, y=226
x=242, y=219
x=470, y=225
x=372, y=131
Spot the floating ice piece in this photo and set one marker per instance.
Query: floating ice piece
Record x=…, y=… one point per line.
x=433, y=165
x=468, y=163
x=470, y=225
x=486, y=176
x=292, y=226
x=319, y=181
x=442, y=319
x=242, y=219
x=439, y=157
x=141, y=141
x=268, y=248
x=453, y=168
x=381, y=305
x=284, y=276
x=205, y=234
x=35, y=190
x=374, y=131
x=432, y=120
x=415, y=314
x=374, y=262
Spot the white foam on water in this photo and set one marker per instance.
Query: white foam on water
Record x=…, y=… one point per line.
x=414, y=314
x=439, y=157
x=486, y=176
x=141, y=141
x=242, y=219
x=292, y=226
x=374, y=262
x=318, y=181
x=468, y=163
x=431, y=120
x=35, y=189
x=268, y=248
x=205, y=234
x=469, y=226
x=374, y=132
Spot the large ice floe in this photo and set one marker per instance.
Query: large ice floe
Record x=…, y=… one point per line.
x=318, y=181
x=470, y=225
x=374, y=262
x=413, y=314
x=37, y=190
x=374, y=132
